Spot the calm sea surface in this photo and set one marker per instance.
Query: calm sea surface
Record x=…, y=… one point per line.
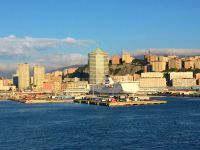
x=175, y=125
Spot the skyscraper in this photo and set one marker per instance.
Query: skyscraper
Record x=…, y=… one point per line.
x=23, y=76
x=38, y=76
x=98, y=66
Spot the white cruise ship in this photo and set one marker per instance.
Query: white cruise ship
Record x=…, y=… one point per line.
x=111, y=87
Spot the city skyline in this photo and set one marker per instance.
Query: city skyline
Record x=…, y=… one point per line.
x=62, y=33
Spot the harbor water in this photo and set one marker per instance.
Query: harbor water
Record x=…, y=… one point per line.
x=175, y=125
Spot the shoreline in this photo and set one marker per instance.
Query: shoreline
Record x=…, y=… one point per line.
x=39, y=101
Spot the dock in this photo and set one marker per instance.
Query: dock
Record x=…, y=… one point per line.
x=120, y=104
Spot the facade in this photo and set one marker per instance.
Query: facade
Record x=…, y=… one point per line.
x=152, y=82
x=152, y=75
x=75, y=85
x=189, y=64
x=51, y=86
x=38, y=76
x=4, y=87
x=197, y=76
x=23, y=76
x=115, y=60
x=163, y=58
x=122, y=78
x=98, y=66
x=183, y=82
x=48, y=86
x=69, y=70
x=197, y=64
x=127, y=58
x=180, y=75
x=175, y=63
x=57, y=73
x=158, y=66
x=150, y=57
x=147, y=68
x=71, y=79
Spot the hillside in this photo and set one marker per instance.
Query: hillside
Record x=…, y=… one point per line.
x=123, y=69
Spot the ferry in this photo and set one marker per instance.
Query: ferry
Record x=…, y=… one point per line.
x=111, y=87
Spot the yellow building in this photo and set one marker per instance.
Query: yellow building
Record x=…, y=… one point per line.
x=163, y=58
x=183, y=82
x=197, y=64
x=127, y=58
x=152, y=82
x=150, y=57
x=158, y=66
x=98, y=66
x=152, y=75
x=23, y=76
x=189, y=64
x=38, y=76
x=57, y=73
x=181, y=75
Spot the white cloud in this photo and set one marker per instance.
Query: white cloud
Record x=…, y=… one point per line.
x=61, y=60
x=59, y=52
x=12, y=45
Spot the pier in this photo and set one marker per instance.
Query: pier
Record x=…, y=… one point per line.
x=120, y=104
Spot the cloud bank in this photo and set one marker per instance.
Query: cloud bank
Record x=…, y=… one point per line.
x=51, y=52
x=12, y=45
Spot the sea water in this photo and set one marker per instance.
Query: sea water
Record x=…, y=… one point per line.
x=175, y=125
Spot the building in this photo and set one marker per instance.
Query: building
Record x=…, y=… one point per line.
x=197, y=76
x=38, y=76
x=152, y=75
x=147, y=68
x=175, y=63
x=122, y=78
x=23, y=76
x=152, y=82
x=57, y=73
x=74, y=85
x=163, y=58
x=127, y=58
x=197, y=64
x=98, y=66
x=48, y=86
x=115, y=60
x=69, y=70
x=15, y=80
x=71, y=79
x=150, y=57
x=180, y=75
x=158, y=66
x=4, y=87
x=189, y=64
x=183, y=82
x=171, y=57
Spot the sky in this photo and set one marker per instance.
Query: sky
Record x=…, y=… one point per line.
x=59, y=33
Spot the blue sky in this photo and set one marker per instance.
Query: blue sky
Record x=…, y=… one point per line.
x=113, y=25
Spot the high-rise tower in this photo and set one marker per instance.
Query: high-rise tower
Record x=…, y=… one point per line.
x=98, y=66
